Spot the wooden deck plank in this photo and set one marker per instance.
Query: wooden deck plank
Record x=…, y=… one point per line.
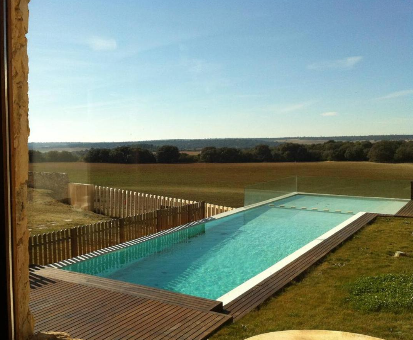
x=264, y=290
x=90, y=312
x=134, y=289
x=202, y=332
x=406, y=211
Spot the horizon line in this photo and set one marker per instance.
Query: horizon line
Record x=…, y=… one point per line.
x=222, y=138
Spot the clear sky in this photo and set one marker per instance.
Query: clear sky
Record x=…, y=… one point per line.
x=138, y=70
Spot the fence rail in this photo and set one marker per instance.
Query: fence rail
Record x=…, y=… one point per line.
x=64, y=244
x=120, y=203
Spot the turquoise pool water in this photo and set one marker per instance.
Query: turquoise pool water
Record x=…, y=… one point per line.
x=211, y=259
x=343, y=203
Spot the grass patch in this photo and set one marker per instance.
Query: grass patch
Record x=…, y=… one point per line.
x=389, y=292
x=322, y=298
x=46, y=214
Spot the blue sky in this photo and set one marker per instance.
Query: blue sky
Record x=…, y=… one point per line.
x=140, y=70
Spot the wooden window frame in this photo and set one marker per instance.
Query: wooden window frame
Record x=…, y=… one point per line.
x=6, y=235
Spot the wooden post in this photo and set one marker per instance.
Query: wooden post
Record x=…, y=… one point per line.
x=107, y=201
x=122, y=230
x=189, y=213
x=111, y=202
x=158, y=220
x=73, y=239
x=122, y=204
x=203, y=215
x=135, y=203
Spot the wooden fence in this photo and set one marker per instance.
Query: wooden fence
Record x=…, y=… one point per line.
x=213, y=209
x=119, y=203
x=64, y=244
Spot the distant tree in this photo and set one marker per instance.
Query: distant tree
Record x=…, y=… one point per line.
x=383, y=151
x=229, y=155
x=168, y=154
x=248, y=156
x=97, y=156
x=366, y=144
x=143, y=156
x=404, y=153
x=339, y=153
x=355, y=153
x=52, y=156
x=117, y=156
x=277, y=156
x=292, y=152
x=122, y=154
x=262, y=153
x=60, y=156
x=66, y=156
x=36, y=156
x=209, y=154
x=316, y=155
x=104, y=156
x=331, y=145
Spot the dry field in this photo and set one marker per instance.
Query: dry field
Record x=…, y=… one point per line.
x=191, y=152
x=215, y=183
x=45, y=214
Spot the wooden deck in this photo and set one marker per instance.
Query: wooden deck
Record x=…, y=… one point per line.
x=264, y=290
x=406, y=211
x=89, y=309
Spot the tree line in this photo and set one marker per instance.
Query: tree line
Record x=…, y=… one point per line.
x=382, y=152
x=53, y=156
x=198, y=144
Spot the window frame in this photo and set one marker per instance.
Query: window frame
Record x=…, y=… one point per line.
x=7, y=301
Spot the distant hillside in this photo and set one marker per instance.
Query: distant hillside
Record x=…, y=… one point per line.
x=182, y=144
x=198, y=144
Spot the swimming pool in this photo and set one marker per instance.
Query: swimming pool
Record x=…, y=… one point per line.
x=213, y=258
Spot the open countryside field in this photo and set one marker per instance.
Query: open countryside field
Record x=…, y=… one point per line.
x=221, y=184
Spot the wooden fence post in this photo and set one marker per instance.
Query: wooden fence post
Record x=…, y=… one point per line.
x=203, y=215
x=189, y=213
x=158, y=220
x=122, y=230
x=73, y=242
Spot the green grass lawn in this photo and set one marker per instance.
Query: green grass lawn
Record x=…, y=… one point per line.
x=335, y=294
x=221, y=184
